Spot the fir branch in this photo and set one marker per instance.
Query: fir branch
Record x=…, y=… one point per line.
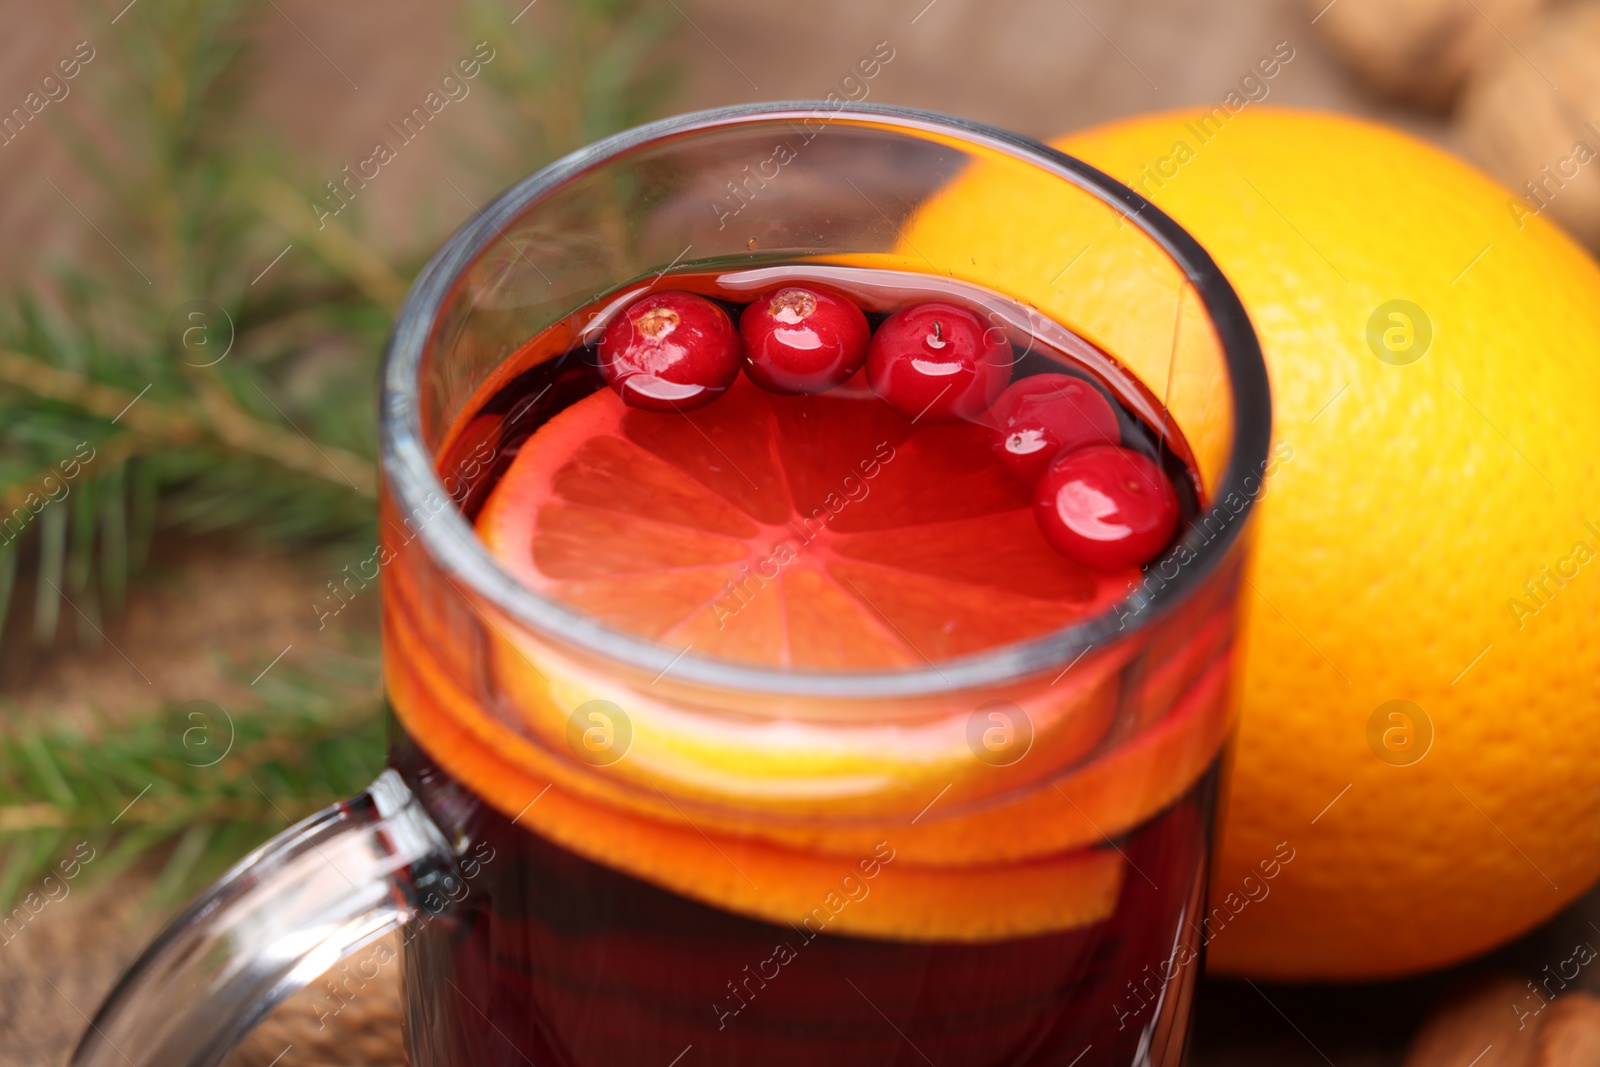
x=162, y=426
x=88, y=358
x=143, y=785
x=577, y=71
x=341, y=249
x=245, y=444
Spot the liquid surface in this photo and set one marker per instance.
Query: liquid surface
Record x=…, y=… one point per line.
x=823, y=532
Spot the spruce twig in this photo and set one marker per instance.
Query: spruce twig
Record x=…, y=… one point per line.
x=89, y=365
x=128, y=788
x=158, y=425
x=273, y=442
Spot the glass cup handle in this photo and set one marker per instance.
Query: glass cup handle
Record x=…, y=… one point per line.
x=284, y=914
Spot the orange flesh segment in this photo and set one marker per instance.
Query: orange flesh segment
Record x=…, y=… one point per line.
x=822, y=532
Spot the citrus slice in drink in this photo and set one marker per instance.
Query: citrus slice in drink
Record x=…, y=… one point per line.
x=799, y=532
x=812, y=532
x=779, y=882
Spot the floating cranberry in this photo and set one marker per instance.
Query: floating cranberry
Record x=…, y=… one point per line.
x=1106, y=506
x=670, y=351
x=1038, y=418
x=938, y=361
x=800, y=339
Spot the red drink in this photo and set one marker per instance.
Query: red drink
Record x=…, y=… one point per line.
x=560, y=960
x=1028, y=900
x=808, y=657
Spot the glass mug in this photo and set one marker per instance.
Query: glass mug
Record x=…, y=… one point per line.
x=573, y=887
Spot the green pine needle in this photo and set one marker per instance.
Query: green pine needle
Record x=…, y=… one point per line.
x=188, y=777
x=120, y=424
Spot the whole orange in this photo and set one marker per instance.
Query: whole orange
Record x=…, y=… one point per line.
x=1420, y=698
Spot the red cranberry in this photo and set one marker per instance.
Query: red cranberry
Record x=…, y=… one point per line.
x=1038, y=418
x=670, y=351
x=1106, y=506
x=938, y=361
x=799, y=339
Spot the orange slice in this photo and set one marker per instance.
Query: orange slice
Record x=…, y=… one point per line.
x=821, y=532
x=1070, y=807
x=801, y=532
x=852, y=892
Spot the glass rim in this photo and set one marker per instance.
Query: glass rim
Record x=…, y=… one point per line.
x=409, y=474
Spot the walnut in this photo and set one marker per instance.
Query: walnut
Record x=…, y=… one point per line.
x=1504, y=1022
x=1421, y=51
x=1532, y=119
